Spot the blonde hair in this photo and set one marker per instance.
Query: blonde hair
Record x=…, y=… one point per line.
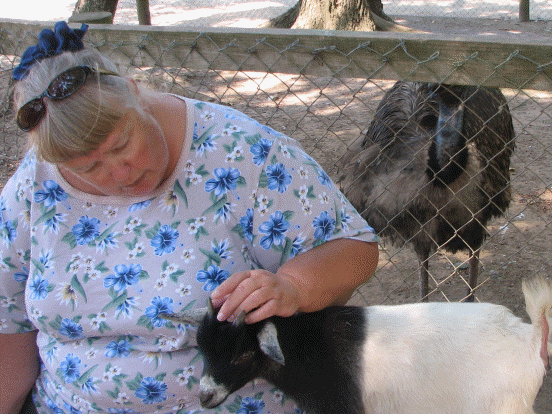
x=78, y=124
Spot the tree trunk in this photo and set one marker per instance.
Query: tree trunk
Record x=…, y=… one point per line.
x=84, y=6
x=363, y=15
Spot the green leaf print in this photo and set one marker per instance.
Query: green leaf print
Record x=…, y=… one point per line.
x=217, y=205
x=70, y=239
x=145, y=322
x=116, y=302
x=287, y=250
x=288, y=214
x=107, y=232
x=201, y=140
x=179, y=191
x=47, y=215
x=235, y=405
x=263, y=180
x=151, y=233
x=76, y=285
x=134, y=384
x=211, y=256
x=253, y=139
x=84, y=377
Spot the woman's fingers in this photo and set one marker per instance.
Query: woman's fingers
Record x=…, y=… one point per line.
x=259, y=293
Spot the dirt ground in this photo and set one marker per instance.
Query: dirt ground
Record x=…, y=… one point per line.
x=326, y=115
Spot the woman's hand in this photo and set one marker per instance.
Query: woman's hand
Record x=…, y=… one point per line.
x=322, y=276
x=259, y=293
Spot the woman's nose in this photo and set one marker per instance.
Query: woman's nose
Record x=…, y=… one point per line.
x=120, y=171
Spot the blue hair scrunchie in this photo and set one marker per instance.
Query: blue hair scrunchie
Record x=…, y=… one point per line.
x=50, y=43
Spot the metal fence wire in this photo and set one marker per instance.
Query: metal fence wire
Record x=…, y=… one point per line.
x=323, y=90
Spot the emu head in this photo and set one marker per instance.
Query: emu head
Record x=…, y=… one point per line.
x=233, y=353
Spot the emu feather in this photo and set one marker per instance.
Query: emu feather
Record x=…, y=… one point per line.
x=433, y=169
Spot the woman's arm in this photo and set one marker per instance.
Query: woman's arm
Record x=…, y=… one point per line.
x=325, y=275
x=19, y=367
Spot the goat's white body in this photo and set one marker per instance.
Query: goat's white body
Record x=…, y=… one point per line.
x=450, y=358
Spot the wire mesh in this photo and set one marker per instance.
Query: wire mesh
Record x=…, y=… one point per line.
x=323, y=91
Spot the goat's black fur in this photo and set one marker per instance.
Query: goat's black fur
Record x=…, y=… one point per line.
x=322, y=357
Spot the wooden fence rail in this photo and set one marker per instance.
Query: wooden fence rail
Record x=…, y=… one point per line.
x=473, y=60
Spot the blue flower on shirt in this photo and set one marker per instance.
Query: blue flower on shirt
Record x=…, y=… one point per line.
x=246, y=222
x=345, y=219
x=260, y=151
x=151, y=391
x=70, y=409
x=126, y=307
x=207, y=145
x=159, y=305
x=139, y=206
x=70, y=329
x=251, y=405
x=52, y=224
x=70, y=368
x=117, y=349
x=89, y=386
x=53, y=407
x=296, y=245
x=324, y=226
x=324, y=178
x=9, y=233
x=124, y=276
x=278, y=177
x=212, y=277
x=38, y=287
x=51, y=195
x=275, y=230
x=165, y=240
x=23, y=276
x=226, y=179
x=222, y=249
x=86, y=230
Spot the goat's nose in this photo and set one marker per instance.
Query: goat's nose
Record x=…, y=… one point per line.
x=206, y=397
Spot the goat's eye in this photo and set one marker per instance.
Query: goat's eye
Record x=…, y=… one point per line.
x=240, y=359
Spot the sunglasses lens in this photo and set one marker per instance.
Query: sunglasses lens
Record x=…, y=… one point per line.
x=30, y=114
x=66, y=83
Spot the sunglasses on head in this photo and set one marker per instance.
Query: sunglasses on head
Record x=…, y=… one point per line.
x=63, y=86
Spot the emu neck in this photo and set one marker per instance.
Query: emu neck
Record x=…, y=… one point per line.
x=448, y=153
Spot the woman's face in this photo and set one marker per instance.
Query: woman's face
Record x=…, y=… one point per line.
x=132, y=161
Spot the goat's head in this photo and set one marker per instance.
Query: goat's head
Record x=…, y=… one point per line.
x=233, y=353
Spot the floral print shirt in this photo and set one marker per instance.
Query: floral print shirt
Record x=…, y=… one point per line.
x=93, y=273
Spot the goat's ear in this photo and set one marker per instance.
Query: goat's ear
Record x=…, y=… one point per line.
x=210, y=307
x=268, y=341
x=192, y=317
x=240, y=320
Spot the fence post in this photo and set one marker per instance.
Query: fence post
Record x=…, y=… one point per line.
x=523, y=10
x=142, y=7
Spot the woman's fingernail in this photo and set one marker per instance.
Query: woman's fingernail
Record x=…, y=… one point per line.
x=218, y=302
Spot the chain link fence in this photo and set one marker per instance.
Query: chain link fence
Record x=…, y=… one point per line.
x=323, y=90
x=488, y=9
x=248, y=13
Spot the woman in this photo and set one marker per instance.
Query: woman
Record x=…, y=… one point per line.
x=132, y=203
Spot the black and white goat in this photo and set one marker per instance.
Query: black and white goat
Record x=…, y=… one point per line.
x=429, y=358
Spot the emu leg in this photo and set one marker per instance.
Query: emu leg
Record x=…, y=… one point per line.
x=424, y=276
x=474, y=273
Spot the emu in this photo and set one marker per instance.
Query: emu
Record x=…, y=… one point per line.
x=358, y=360
x=433, y=169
